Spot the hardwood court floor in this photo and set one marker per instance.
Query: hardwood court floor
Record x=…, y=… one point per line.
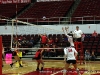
x=29, y=68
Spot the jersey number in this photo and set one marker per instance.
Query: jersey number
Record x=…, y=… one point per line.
x=69, y=50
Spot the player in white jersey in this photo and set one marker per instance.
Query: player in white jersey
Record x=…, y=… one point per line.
x=70, y=57
x=69, y=36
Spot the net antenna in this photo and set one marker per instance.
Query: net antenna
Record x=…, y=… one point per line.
x=16, y=25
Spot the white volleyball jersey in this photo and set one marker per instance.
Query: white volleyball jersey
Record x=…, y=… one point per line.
x=70, y=53
x=70, y=39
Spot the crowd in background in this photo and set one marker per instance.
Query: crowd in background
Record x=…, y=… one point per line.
x=45, y=41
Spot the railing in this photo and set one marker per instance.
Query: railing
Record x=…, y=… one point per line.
x=59, y=20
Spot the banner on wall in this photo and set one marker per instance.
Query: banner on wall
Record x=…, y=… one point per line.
x=49, y=0
x=0, y=1
x=14, y=1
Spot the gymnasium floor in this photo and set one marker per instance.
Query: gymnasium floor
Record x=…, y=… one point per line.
x=52, y=67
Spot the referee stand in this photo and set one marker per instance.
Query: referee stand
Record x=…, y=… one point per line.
x=79, y=48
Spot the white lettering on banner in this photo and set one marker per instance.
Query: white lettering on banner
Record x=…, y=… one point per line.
x=21, y=1
x=18, y=1
x=25, y=1
x=0, y=1
x=48, y=0
x=14, y=1
x=9, y=1
x=4, y=1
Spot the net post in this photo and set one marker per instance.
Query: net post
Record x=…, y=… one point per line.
x=0, y=55
x=77, y=44
x=12, y=33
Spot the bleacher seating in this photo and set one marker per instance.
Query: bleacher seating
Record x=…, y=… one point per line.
x=47, y=9
x=89, y=43
x=88, y=8
x=9, y=10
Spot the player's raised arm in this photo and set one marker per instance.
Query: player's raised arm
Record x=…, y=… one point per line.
x=42, y=51
x=65, y=32
x=65, y=54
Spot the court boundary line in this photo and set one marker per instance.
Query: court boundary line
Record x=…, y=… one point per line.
x=57, y=72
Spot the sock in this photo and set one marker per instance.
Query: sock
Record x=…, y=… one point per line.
x=37, y=69
x=11, y=63
x=64, y=71
x=20, y=65
x=77, y=69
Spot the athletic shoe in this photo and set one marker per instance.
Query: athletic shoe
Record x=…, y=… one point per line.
x=20, y=66
x=37, y=69
x=11, y=64
x=41, y=68
x=78, y=72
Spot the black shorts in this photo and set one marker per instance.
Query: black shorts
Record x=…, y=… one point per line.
x=73, y=46
x=78, y=39
x=71, y=61
x=38, y=58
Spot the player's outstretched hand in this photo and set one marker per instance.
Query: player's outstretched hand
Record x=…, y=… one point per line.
x=66, y=28
x=62, y=28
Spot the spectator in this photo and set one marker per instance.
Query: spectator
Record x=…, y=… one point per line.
x=56, y=40
x=31, y=42
x=93, y=56
x=23, y=42
x=14, y=42
x=50, y=41
x=53, y=51
x=87, y=55
x=83, y=36
x=95, y=34
x=46, y=51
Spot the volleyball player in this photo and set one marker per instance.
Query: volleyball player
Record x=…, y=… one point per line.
x=69, y=36
x=38, y=57
x=16, y=57
x=44, y=39
x=70, y=58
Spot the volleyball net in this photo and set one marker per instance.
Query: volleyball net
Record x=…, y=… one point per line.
x=20, y=30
